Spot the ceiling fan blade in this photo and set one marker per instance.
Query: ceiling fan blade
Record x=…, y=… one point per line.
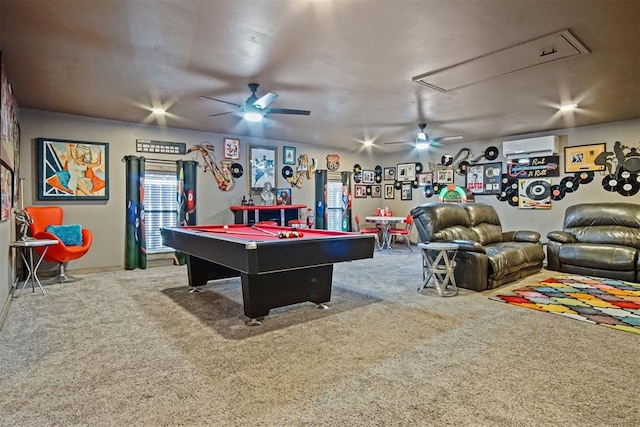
x=221, y=100
x=447, y=138
x=265, y=100
x=222, y=114
x=400, y=142
x=288, y=111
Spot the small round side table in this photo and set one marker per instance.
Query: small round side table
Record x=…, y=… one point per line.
x=438, y=262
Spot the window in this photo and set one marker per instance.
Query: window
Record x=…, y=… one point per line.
x=335, y=208
x=160, y=207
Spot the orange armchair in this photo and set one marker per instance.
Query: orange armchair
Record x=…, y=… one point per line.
x=45, y=216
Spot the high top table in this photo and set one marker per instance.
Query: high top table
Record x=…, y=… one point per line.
x=385, y=224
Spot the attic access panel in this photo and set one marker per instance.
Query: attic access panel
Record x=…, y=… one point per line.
x=502, y=62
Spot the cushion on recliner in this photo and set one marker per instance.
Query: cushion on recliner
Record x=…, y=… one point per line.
x=599, y=256
x=71, y=235
x=484, y=222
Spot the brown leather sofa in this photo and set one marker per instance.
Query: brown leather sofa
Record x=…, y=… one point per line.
x=487, y=257
x=598, y=239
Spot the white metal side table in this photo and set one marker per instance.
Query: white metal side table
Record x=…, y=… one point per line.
x=27, y=248
x=438, y=263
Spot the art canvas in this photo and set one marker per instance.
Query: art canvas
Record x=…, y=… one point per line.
x=72, y=170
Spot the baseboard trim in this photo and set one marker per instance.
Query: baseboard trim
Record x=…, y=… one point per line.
x=5, y=308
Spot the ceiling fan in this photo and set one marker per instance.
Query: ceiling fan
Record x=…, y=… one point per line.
x=255, y=108
x=422, y=140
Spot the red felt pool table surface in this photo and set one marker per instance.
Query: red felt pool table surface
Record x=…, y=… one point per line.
x=275, y=271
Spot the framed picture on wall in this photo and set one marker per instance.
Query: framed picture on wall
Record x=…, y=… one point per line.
x=368, y=177
x=6, y=192
x=444, y=176
x=424, y=179
x=389, y=173
x=406, y=191
x=289, y=155
x=231, y=148
x=283, y=196
x=360, y=191
x=72, y=170
x=376, y=191
x=262, y=167
x=582, y=158
x=389, y=191
x=406, y=172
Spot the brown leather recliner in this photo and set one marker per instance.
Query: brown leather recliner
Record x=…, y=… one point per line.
x=598, y=239
x=487, y=257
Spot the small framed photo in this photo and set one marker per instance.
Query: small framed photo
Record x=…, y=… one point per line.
x=231, y=148
x=389, y=191
x=360, y=191
x=368, y=177
x=389, y=174
x=289, y=155
x=425, y=179
x=406, y=191
x=376, y=191
x=283, y=196
x=406, y=172
x=445, y=176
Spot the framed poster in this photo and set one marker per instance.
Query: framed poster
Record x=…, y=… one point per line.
x=368, y=177
x=262, y=166
x=484, y=178
x=231, y=148
x=406, y=191
x=376, y=191
x=424, y=179
x=72, y=170
x=444, y=176
x=534, y=193
x=6, y=192
x=406, y=172
x=389, y=191
x=289, y=155
x=582, y=158
x=389, y=173
x=360, y=191
x=283, y=196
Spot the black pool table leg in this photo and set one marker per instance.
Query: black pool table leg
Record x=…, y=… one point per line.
x=200, y=271
x=262, y=292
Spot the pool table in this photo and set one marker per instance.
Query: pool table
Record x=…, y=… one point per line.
x=274, y=271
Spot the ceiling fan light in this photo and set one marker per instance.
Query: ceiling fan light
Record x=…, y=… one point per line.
x=421, y=137
x=421, y=145
x=252, y=116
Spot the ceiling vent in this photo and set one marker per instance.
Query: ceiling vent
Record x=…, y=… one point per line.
x=505, y=61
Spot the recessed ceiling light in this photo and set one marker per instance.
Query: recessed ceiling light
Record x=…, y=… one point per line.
x=568, y=107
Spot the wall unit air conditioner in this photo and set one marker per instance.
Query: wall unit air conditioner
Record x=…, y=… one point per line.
x=530, y=147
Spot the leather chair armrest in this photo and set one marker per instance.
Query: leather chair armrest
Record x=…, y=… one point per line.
x=561, y=236
x=526, y=236
x=469, y=246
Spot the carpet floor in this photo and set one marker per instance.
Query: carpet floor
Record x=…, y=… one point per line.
x=136, y=348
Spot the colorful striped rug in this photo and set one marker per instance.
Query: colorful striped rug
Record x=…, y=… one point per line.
x=607, y=302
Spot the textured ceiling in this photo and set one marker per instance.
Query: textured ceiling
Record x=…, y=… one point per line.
x=350, y=62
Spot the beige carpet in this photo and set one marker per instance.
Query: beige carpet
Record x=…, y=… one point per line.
x=135, y=348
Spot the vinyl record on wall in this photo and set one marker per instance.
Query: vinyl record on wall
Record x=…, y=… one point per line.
x=397, y=185
x=628, y=186
x=513, y=200
x=287, y=172
x=491, y=153
x=503, y=196
x=357, y=177
x=378, y=170
x=428, y=191
x=415, y=183
x=570, y=184
x=419, y=167
x=610, y=183
x=378, y=179
x=557, y=193
x=236, y=170
x=585, y=177
x=538, y=190
x=357, y=168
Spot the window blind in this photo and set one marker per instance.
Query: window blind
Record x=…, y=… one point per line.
x=161, y=207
